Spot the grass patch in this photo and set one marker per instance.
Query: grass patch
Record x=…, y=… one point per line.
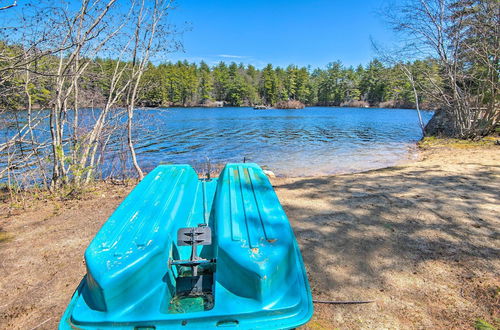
x=435, y=142
x=5, y=236
x=483, y=325
x=316, y=324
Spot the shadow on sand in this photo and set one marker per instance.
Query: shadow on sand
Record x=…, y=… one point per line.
x=422, y=242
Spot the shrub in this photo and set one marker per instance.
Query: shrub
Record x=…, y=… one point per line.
x=290, y=104
x=355, y=104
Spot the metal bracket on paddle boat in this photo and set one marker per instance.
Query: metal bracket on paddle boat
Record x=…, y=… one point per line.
x=201, y=235
x=193, y=236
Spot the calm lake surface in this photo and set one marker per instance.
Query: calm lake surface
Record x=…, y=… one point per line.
x=311, y=141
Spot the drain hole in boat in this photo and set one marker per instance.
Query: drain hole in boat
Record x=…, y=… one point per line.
x=227, y=323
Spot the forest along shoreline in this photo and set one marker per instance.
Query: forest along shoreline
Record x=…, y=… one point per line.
x=421, y=239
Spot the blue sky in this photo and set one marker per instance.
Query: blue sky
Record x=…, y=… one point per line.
x=281, y=32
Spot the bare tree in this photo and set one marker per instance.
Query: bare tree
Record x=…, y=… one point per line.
x=60, y=44
x=83, y=30
x=148, y=38
x=10, y=5
x=76, y=38
x=446, y=31
x=391, y=57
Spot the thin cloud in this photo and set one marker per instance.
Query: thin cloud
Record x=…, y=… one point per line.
x=231, y=56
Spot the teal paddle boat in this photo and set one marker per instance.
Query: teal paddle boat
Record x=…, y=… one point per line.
x=183, y=252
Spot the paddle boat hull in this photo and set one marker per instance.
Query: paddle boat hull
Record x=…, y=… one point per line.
x=181, y=252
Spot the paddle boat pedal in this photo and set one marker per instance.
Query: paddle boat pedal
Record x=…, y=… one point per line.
x=194, y=284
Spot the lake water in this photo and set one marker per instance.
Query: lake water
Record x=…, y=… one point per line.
x=311, y=141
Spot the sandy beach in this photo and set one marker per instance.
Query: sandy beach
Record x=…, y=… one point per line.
x=421, y=240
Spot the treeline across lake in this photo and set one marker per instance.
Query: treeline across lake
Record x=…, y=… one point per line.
x=187, y=84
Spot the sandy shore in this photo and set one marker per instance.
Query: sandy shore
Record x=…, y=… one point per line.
x=421, y=239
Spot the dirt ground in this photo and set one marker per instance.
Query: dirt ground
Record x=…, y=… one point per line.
x=421, y=240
